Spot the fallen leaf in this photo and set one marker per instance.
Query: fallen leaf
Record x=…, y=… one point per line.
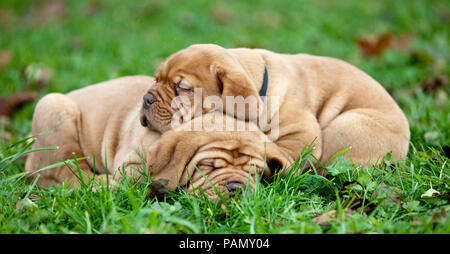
x=432, y=84
x=8, y=105
x=323, y=220
x=374, y=46
x=5, y=58
x=430, y=193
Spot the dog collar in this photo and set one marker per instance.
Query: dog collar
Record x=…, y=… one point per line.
x=263, y=90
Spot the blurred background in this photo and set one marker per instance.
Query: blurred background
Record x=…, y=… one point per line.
x=60, y=45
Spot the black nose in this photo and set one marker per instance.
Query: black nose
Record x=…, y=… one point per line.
x=235, y=188
x=148, y=100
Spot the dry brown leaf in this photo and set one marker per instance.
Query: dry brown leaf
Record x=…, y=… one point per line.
x=431, y=193
x=8, y=105
x=374, y=46
x=323, y=220
x=432, y=84
x=5, y=58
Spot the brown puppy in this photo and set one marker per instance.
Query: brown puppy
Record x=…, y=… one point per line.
x=230, y=160
x=322, y=101
x=101, y=122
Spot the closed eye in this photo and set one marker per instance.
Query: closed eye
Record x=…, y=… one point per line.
x=182, y=88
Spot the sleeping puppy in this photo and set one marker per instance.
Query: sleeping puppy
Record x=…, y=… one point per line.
x=101, y=123
x=321, y=101
x=221, y=154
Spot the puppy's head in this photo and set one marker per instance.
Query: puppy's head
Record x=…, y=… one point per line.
x=203, y=71
x=231, y=161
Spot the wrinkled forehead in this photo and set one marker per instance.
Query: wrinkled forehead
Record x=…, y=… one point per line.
x=230, y=152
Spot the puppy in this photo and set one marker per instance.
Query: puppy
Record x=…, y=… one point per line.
x=221, y=158
x=322, y=102
x=99, y=122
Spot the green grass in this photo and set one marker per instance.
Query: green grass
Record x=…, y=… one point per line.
x=84, y=46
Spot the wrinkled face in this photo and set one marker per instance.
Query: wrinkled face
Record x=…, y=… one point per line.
x=178, y=76
x=230, y=161
x=233, y=168
x=195, y=76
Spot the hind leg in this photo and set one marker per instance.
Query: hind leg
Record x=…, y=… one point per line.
x=55, y=123
x=370, y=134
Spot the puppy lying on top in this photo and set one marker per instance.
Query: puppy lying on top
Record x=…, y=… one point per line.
x=320, y=101
x=102, y=123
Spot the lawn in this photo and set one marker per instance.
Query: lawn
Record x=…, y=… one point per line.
x=57, y=46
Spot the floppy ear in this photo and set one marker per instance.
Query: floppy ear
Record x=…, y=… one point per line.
x=277, y=159
x=234, y=81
